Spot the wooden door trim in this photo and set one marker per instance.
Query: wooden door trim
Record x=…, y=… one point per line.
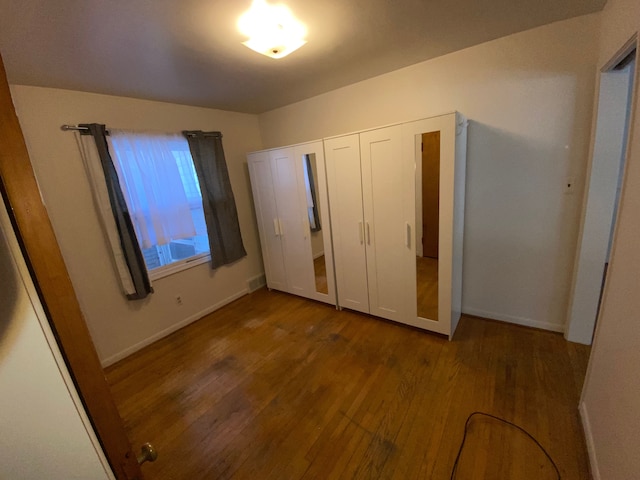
x=48, y=270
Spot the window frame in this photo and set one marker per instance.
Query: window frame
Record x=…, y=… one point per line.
x=185, y=263
x=178, y=266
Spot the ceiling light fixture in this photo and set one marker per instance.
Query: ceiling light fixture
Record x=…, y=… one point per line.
x=272, y=29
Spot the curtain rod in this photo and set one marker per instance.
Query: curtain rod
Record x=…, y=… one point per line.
x=66, y=128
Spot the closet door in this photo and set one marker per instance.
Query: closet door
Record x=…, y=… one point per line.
x=446, y=280
x=342, y=156
x=310, y=165
x=387, y=221
x=267, y=217
x=294, y=232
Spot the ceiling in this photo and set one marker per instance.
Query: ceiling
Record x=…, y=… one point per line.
x=190, y=52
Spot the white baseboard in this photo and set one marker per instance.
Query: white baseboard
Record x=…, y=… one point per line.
x=527, y=322
x=169, y=330
x=591, y=448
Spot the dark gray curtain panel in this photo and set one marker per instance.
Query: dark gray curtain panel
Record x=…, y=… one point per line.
x=128, y=240
x=220, y=214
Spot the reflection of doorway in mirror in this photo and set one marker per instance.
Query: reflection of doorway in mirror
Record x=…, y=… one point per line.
x=310, y=169
x=320, y=270
x=428, y=204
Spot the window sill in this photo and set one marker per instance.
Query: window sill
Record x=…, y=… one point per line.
x=176, y=267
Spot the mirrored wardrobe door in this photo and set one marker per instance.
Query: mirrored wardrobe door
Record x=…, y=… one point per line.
x=314, y=221
x=427, y=224
x=313, y=197
x=431, y=144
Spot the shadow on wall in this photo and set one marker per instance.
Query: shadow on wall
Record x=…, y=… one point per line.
x=9, y=295
x=520, y=228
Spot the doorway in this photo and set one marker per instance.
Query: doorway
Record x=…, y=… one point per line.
x=604, y=183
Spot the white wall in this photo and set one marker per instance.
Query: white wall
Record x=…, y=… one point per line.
x=119, y=327
x=45, y=432
x=611, y=397
x=529, y=99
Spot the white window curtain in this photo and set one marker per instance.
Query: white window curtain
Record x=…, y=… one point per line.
x=154, y=191
x=95, y=175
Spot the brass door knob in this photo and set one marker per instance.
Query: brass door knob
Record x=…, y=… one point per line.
x=147, y=454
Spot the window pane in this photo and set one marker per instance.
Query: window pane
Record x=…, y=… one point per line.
x=176, y=250
x=176, y=148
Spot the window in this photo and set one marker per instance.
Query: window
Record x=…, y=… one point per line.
x=161, y=188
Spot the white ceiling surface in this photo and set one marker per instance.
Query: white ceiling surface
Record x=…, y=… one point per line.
x=190, y=52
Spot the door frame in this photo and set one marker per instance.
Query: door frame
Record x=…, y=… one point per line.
x=588, y=286
x=37, y=240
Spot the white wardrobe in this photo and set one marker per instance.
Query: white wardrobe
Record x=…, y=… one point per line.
x=289, y=192
x=386, y=190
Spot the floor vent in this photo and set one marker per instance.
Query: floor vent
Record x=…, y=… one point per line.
x=257, y=282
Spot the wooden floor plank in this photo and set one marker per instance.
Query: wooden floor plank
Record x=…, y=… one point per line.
x=274, y=387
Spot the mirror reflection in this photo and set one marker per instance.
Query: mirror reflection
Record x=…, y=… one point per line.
x=315, y=222
x=427, y=224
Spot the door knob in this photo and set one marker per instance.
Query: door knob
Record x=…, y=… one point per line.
x=147, y=454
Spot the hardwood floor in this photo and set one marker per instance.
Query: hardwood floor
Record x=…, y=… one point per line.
x=427, y=287
x=278, y=387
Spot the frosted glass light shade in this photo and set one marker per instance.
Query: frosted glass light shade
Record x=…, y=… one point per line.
x=273, y=49
x=272, y=29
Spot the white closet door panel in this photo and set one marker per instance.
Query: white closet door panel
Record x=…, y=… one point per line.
x=458, y=219
x=345, y=203
x=447, y=196
x=267, y=217
x=295, y=234
x=386, y=221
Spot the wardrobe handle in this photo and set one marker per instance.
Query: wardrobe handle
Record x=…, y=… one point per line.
x=368, y=235
x=280, y=229
x=361, y=232
x=407, y=240
x=276, y=227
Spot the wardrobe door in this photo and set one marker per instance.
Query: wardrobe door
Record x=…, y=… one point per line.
x=437, y=307
x=310, y=164
x=267, y=216
x=344, y=183
x=387, y=223
x=293, y=230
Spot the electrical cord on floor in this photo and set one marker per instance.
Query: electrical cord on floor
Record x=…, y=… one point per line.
x=464, y=437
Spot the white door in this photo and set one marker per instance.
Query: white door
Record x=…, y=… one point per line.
x=46, y=431
x=387, y=223
x=293, y=227
x=268, y=221
x=344, y=183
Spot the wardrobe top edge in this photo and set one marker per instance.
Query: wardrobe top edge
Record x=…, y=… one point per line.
x=286, y=146
x=377, y=127
x=453, y=112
